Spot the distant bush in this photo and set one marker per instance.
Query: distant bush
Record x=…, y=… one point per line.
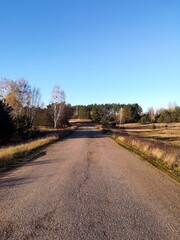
x=145, y=119
x=107, y=124
x=168, y=116
x=153, y=126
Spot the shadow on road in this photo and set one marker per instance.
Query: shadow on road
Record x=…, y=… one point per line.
x=87, y=130
x=27, y=160
x=13, y=181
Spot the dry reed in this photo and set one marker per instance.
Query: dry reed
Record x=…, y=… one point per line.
x=168, y=153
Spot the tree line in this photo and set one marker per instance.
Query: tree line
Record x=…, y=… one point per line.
x=126, y=113
x=21, y=111
x=109, y=112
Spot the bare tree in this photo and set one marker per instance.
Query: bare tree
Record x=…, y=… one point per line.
x=121, y=115
x=24, y=92
x=16, y=93
x=9, y=91
x=151, y=114
x=6, y=85
x=58, y=104
x=34, y=101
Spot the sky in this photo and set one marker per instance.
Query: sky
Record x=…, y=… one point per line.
x=97, y=51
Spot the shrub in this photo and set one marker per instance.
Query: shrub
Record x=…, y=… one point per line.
x=23, y=127
x=112, y=124
x=105, y=124
x=145, y=119
x=153, y=126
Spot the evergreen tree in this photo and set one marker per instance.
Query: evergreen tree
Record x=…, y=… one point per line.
x=6, y=122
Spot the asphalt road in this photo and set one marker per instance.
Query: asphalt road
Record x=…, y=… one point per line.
x=88, y=187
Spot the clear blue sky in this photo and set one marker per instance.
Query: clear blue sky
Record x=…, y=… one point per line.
x=98, y=51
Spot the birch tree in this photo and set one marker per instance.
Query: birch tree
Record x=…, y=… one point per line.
x=151, y=114
x=34, y=102
x=121, y=115
x=58, y=104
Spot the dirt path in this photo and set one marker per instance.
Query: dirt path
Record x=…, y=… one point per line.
x=88, y=187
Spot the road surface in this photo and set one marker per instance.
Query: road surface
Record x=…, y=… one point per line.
x=88, y=187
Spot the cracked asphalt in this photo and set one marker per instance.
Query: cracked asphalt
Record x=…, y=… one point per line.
x=87, y=187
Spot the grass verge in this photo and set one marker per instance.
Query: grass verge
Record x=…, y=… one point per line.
x=9, y=156
x=172, y=170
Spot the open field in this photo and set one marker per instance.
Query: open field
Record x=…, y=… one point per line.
x=166, y=133
x=79, y=120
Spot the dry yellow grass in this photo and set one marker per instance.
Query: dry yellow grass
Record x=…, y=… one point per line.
x=169, y=154
x=47, y=129
x=161, y=143
x=79, y=120
x=8, y=153
x=11, y=154
x=167, y=133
